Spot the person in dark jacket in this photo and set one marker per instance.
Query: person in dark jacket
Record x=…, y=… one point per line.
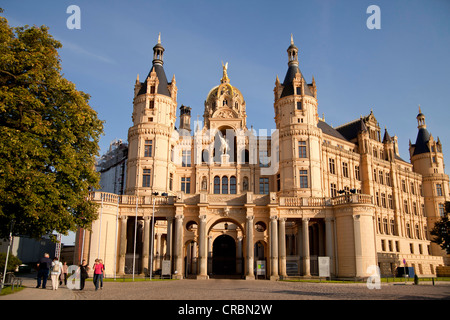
x=84, y=269
x=43, y=265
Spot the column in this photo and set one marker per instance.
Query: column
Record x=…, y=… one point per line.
x=146, y=246
x=178, y=247
x=273, y=248
x=250, y=275
x=122, y=244
x=358, y=246
x=282, y=246
x=306, y=257
x=329, y=243
x=203, y=253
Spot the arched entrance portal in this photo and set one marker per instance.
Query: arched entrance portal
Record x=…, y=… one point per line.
x=224, y=255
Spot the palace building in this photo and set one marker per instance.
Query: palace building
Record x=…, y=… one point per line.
x=218, y=199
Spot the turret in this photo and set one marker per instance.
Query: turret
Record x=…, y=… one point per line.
x=154, y=116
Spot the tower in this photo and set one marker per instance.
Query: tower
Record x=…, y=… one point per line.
x=151, y=137
x=185, y=118
x=296, y=119
x=428, y=160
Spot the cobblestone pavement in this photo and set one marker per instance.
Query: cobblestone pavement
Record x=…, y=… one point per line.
x=223, y=289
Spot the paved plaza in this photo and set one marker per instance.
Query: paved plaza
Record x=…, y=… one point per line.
x=228, y=289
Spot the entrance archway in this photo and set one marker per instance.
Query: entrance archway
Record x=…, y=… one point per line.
x=224, y=255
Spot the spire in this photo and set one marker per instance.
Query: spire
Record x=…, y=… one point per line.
x=421, y=120
x=387, y=137
x=158, y=51
x=423, y=136
x=292, y=53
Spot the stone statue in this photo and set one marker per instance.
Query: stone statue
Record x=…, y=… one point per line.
x=223, y=145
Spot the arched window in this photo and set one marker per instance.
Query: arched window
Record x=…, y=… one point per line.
x=233, y=185
x=224, y=185
x=217, y=185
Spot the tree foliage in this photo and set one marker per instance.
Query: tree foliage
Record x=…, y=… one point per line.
x=441, y=232
x=48, y=138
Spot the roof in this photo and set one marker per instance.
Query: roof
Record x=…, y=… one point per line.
x=162, y=87
x=288, y=89
x=327, y=129
x=421, y=146
x=350, y=130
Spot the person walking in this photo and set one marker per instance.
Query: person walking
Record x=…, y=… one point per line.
x=64, y=274
x=56, y=272
x=98, y=273
x=43, y=266
x=83, y=269
x=102, y=276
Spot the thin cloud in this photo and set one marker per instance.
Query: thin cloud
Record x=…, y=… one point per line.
x=81, y=51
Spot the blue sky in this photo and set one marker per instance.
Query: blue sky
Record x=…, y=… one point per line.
x=391, y=70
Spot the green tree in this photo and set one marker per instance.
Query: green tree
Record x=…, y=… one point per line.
x=441, y=232
x=48, y=138
x=13, y=262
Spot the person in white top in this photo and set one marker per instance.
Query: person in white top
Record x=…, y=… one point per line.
x=55, y=272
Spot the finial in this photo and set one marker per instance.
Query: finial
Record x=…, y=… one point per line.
x=420, y=111
x=225, y=75
x=159, y=38
x=292, y=39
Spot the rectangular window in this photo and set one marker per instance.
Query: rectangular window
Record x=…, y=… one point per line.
x=171, y=181
x=345, y=169
x=375, y=175
x=441, y=209
x=332, y=166
x=299, y=105
x=302, y=149
x=404, y=185
x=186, y=158
x=357, y=176
x=388, y=179
x=186, y=185
x=152, y=89
x=146, y=177
x=333, y=190
x=381, y=177
x=390, y=201
x=392, y=227
x=383, y=200
x=151, y=104
x=303, y=178
x=413, y=190
x=278, y=182
x=405, y=206
x=263, y=185
x=439, y=189
x=148, y=148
